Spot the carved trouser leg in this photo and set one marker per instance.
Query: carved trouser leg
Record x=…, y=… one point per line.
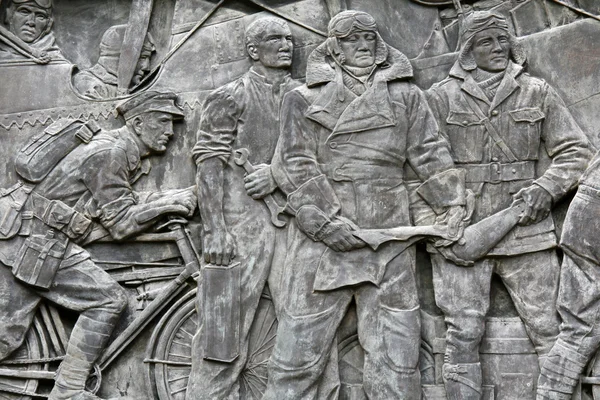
x=578, y=304
x=329, y=386
x=532, y=281
x=219, y=380
x=388, y=324
x=80, y=286
x=86, y=288
x=463, y=295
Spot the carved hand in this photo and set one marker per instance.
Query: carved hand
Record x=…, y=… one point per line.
x=456, y=219
x=260, y=183
x=339, y=237
x=538, y=201
x=186, y=199
x=219, y=247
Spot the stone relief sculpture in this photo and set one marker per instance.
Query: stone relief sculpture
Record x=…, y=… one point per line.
x=577, y=295
x=495, y=117
x=344, y=139
x=100, y=81
x=28, y=32
x=92, y=182
x=384, y=193
x=243, y=114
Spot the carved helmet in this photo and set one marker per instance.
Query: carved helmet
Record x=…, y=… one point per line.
x=112, y=41
x=479, y=21
x=46, y=4
x=347, y=22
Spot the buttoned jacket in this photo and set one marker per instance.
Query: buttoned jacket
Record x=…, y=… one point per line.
x=345, y=154
x=534, y=123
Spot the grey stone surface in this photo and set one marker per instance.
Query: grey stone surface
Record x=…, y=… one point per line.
x=299, y=199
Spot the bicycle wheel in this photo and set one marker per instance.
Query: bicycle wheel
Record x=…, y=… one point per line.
x=34, y=347
x=169, y=351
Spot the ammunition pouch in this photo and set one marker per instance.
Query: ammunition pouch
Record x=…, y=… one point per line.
x=11, y=202
x=60, y=216
x=38, y=259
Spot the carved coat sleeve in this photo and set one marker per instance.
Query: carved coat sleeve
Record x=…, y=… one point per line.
x=295, y=166
x=565, y=143
x=218, y=123
x=107, y=178
x=428, y=153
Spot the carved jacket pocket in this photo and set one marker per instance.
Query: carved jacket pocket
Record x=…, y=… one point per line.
x=527, y=115
x=462, y=118
x=467, y=136
x=524, y=132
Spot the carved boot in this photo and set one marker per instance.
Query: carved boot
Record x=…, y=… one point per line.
x=560, y=373
x=87, y=340
x=463, y=381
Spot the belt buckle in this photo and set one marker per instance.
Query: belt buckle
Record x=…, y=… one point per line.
x=495, y=172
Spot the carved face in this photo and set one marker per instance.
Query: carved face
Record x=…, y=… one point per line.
x=359, y=48
x=275, y=48
x=154, y=129
x=142, y=67
x=28, y=22
x=491, y=49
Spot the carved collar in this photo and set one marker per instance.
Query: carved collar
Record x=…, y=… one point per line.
x=508, y=85
x=320, y=69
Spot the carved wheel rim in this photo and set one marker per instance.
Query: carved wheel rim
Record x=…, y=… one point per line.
x=171, y=366
x=32, y=348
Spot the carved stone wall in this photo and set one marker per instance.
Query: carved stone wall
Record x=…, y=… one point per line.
x=303, y=199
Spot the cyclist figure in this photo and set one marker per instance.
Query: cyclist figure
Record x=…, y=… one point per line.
x=91, y=184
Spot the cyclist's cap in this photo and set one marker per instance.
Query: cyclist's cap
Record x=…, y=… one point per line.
x=40, y=3
x=149, y=102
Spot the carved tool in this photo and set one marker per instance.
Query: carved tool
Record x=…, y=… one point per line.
x=241, y=159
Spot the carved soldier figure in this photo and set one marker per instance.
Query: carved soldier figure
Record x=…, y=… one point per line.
x=501, y=124
x=91, y=183
x=30, y=21
x=100, y=81
x=345, y=138
x=241, y=114
x=578, y=295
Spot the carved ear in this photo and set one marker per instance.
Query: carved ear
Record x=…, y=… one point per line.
x=252, y=51
x=137, y=123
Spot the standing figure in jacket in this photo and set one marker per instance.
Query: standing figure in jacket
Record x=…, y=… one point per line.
x=579, y=292
x=503, y=126
x=345, y=138
x=237, y=225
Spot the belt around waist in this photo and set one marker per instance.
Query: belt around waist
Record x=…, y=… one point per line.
x=498, y=172
x=58, y=215
x=345, y=172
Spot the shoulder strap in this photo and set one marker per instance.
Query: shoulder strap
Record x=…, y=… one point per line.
x=491, y=129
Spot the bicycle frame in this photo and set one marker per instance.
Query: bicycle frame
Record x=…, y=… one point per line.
x=58, y=337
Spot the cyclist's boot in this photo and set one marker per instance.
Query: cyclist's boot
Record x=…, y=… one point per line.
x=88, y=339
x=463, y=381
